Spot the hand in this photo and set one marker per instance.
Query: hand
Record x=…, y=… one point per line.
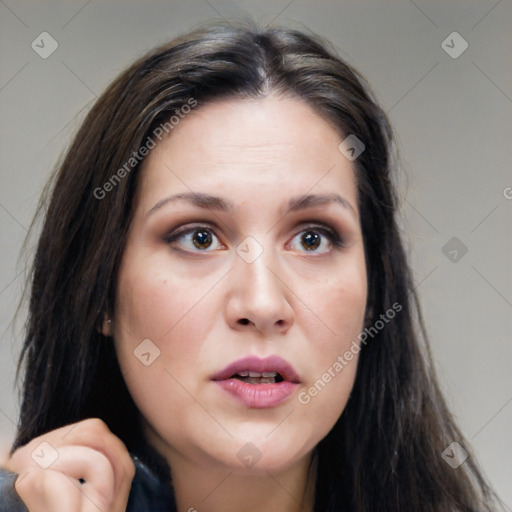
x=92, y=470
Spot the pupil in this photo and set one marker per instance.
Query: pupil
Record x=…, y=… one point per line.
x=202, y=239
x=311, y=240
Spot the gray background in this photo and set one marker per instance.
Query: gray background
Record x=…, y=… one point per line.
x=452, y=117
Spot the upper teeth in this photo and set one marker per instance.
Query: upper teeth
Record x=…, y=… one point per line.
x=257, y=374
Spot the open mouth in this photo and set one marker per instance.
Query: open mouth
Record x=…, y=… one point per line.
x=258, y=378
x=254, y=370
x=258, y=383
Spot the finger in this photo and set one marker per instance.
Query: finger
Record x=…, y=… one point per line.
x=91, y=466
x=95, y=434
x=42, y=491
x=61, y=493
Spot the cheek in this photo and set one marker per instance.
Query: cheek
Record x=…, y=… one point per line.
x=160, y=313
x=339, y=303
x=334, y=351
x=157, y=302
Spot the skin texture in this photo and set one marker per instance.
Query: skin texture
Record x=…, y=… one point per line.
x=206, y=307
x=51, y=467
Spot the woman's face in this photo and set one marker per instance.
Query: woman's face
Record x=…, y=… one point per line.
x=245, y=243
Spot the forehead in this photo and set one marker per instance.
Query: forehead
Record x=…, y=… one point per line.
x=277, y=146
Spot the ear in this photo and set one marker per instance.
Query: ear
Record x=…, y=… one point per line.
x=106, y=326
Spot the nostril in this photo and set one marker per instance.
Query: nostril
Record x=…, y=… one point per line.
x=244, y=321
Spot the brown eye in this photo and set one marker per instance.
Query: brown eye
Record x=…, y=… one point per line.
x=317, y=239
x=202, y=238
x=310, y=240
x=194, y=239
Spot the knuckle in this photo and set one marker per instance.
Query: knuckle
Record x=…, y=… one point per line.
x=130, y=467
x=119, y=449
x=96, y=425
x=94, y=432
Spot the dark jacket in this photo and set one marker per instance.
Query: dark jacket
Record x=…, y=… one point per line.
x=148, y=493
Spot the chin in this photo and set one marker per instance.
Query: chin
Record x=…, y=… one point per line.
x=260, y=455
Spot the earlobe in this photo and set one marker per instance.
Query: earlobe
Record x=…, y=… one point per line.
x=106, y=326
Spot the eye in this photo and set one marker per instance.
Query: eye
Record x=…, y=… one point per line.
x=317, y=239
x=198, y=238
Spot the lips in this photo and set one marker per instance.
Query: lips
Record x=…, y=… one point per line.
x=254, y=367
x=258, y=383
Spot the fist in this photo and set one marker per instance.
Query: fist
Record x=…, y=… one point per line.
x=81, y=467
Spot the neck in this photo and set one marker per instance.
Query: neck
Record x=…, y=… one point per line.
x=211, y=488
x=222, y=489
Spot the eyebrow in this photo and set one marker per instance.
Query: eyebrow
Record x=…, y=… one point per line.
x=205, y=201
x=311, y=200
x=220, y=204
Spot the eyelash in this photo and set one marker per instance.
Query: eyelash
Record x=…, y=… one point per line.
x=334, y=238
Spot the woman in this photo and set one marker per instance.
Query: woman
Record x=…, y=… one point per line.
x=222, y=316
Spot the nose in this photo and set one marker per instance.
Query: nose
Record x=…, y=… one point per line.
x=259, y=296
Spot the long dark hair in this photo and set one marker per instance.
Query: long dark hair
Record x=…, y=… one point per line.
x=385, y=451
